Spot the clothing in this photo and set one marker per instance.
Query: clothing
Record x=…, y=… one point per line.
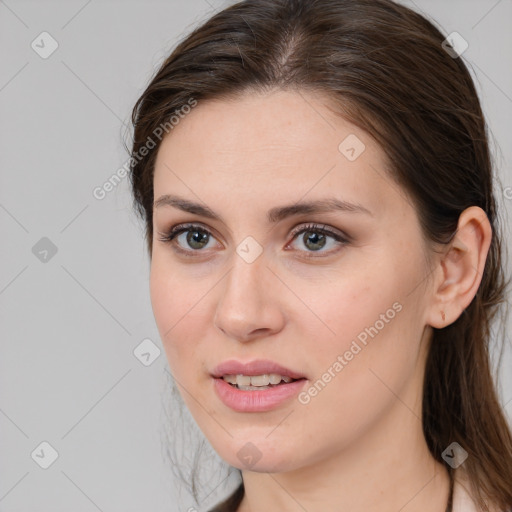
x=462, y=500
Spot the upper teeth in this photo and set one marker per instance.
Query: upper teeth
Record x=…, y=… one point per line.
x=256, y=380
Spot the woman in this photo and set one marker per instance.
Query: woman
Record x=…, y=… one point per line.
x=317, y=189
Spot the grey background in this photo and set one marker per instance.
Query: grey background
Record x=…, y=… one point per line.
x=69, y=325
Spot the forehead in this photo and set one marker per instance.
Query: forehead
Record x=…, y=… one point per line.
x=257, y=124
x=263, y=146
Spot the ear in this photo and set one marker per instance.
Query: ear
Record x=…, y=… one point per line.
x=460, y=268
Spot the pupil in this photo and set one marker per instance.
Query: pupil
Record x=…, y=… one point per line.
x=198, y=237
x=314, y=238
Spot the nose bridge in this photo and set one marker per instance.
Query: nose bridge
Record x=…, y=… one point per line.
x=244, y=283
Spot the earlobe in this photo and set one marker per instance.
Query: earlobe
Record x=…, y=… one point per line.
x=461, y=268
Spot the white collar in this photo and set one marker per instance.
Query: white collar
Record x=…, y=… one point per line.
x=462, y=499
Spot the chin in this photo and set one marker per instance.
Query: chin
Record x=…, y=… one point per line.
x=259, y=455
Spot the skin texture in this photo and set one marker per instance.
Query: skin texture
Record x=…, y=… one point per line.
x=358, y=444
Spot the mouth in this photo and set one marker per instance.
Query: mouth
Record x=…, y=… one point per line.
x=256, y=375
x=256, y=386
x=257, y=382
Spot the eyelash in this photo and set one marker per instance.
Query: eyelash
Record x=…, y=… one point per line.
x=316, y=228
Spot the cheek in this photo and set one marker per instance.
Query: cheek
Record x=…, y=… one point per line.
x=174, y=307
x=372, y=343
x=340, y=307
x=163, y=301
x=366, y=321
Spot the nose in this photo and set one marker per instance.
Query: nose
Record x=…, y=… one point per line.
x=248, y=306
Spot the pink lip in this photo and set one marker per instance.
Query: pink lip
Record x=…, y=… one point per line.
x=256, y=367
x=256, y=401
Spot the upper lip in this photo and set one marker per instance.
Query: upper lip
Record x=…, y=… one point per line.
x=255, y=367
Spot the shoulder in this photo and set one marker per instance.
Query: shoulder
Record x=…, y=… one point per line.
x=463, y=500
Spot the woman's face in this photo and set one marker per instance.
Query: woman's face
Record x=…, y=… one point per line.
x=259, y=279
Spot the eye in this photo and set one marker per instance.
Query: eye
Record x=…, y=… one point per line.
x=192, y=238
x=187, y=238
x=315, y=238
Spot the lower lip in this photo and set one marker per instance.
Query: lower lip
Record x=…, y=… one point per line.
x=256, y=401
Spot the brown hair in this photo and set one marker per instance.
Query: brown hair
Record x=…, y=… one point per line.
x=384, y=67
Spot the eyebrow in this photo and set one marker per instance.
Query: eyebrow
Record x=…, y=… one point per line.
x=274, y=215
